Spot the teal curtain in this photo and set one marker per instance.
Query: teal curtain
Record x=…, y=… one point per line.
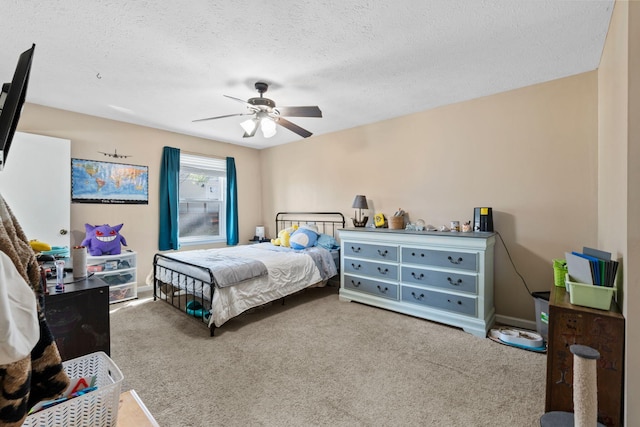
x=232, y=203
x=169, y=203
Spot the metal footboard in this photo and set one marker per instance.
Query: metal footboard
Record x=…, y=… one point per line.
x=183, y=291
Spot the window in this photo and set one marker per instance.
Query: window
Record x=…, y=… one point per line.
x=202, y=190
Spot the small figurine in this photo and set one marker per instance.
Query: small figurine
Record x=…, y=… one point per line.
x=466, y=227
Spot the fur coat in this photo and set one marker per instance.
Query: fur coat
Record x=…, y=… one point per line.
x=39, y=376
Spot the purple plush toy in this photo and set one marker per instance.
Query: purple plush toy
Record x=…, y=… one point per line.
x=103, y=239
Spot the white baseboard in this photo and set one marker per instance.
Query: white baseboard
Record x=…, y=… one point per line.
x=144, y=288
x=516, y=322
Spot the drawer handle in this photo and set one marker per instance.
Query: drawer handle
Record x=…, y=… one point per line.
x=356, y=250
x=384, y=291
x=355, y=284
x=356, y=267
x=459, y=302
x=416, y=276
x=456, y=283
x=453, y=261
x=382, y=253
x=381, y=271
x=414, y=254
x=419, y=298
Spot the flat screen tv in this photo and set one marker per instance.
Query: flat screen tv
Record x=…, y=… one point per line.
x=11, y=100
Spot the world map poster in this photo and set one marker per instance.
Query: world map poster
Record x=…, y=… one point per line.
x=105, y=182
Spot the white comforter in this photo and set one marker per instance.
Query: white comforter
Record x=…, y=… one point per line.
x=288, y=272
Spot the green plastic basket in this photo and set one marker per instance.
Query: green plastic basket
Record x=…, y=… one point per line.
x=559, y=271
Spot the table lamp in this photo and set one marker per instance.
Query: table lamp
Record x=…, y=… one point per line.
x=359, y=203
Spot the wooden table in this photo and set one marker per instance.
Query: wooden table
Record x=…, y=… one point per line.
x=133, y=413
x=602, y=330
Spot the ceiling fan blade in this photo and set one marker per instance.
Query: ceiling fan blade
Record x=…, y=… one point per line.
x=221, y=117
x=293, y=127
x=242, y=101
x=310, y=111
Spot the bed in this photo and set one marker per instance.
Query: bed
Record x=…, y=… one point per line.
x=215, y=285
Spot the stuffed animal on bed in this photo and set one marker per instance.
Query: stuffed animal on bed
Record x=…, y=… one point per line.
x=103, y=239
x=283, y=236
x=304, y=237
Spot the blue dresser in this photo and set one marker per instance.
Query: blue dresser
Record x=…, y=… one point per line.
x=441, y=276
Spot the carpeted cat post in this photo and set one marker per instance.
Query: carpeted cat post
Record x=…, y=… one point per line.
x=585, y=392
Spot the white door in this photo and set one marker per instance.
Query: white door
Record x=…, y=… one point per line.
x=36, y=184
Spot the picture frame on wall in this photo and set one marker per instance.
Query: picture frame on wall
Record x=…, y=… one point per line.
x=100, y=182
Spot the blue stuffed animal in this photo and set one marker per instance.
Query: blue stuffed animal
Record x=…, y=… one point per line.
x=103, y=239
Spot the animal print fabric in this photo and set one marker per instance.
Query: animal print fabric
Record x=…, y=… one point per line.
x=39, y=376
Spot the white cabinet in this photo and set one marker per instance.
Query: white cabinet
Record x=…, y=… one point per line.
x=444, y=277
x=119, y=272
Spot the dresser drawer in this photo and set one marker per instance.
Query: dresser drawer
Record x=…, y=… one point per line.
x=371, y=251
x=370, y=268
x=449, y=259
x=441, y=300
x=381, y=289
x=440, y=279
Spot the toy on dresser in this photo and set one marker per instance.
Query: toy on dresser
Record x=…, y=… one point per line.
x=103, y=239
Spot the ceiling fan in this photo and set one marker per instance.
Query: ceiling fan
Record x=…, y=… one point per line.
x=266, y=115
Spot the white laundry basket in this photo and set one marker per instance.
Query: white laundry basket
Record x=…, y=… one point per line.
x=98, y=408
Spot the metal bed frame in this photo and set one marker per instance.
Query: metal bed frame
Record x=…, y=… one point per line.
x=181, y=297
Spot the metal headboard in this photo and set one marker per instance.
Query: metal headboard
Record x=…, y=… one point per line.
x=327, y=222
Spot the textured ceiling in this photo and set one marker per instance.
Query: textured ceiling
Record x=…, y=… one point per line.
x=165, y=63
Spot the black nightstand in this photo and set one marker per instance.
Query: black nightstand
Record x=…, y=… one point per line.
x=78, y=317
x=264, y=240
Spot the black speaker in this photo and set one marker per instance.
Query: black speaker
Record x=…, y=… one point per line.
x=482, y=219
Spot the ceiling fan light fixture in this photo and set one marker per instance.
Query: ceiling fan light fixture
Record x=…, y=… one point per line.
x=249, y=126
x=268, y=127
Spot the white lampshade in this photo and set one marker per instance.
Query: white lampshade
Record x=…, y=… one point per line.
x=249, y=125
x=268, y=127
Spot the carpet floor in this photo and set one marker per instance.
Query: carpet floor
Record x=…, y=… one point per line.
x=317, y=361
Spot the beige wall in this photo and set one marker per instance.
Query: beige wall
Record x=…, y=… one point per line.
x=619, y=193
x=531, y=154
x=632, y=291
x=90, y=134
